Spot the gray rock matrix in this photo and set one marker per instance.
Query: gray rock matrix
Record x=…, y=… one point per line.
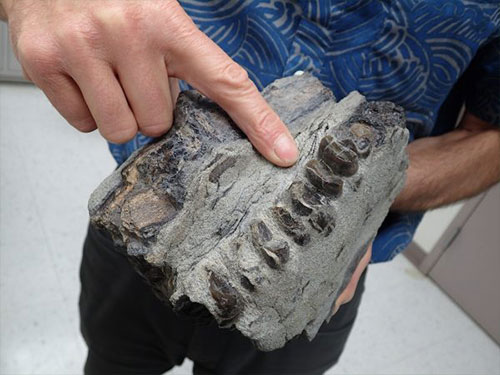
x=215, y=227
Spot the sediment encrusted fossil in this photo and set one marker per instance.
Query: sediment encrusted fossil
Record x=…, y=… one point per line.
x=214, y=227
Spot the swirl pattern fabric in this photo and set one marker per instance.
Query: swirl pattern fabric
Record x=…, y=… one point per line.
x=407, y=51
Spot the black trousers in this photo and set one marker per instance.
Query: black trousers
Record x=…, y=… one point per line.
x=129, y=331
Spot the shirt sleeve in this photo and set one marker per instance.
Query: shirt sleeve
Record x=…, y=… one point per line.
x=482, y=83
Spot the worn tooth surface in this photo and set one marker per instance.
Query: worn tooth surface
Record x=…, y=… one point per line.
x=311, y=196
x=322, y=177
x=361, y=143
x=260, y=233
x=322, y=222
x=339, y=158
x=300, y=205
x=361, y=130
x=220, y=233
x=226, y=297
x=291, y=226
x=246, y=283
x=276, y=253
x=360, y=146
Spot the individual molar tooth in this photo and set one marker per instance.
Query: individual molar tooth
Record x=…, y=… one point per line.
x=276, y=253
x=246, y=283
x=323, y=179
x=322, y=222
x=361, y=146
x=144, y=212
x=292, y=227
x=362, y=130
x=299, y=206
x=364, y=135
x=341, y=160
x=226, y=297
x=311, y=197
x=260, y=232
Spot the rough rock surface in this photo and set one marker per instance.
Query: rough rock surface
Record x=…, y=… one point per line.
x=213, y=226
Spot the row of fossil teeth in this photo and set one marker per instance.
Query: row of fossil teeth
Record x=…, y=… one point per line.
x=310, y=200
x=335, y=160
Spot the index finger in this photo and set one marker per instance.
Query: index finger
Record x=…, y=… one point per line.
x=209, y=69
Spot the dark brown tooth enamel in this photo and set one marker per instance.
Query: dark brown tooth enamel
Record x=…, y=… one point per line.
x=276, y=253
x=322, y=222
x=339, y=158
x=311, y=197
x=361, y=130
x=260, y=232
x=299, y=205
x=364, y=135
x=321, y=177
x=292, y=227
x=226, y=297
x=246, y=283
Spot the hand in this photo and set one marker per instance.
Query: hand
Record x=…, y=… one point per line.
x=350, y=289
x=109, y=65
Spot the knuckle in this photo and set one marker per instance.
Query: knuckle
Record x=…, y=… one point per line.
x=110, y=17
x=84, y=127
x=134, y=18
x=266, y=127
x=71, y=36
x=39, y=55
x=116, y=134
x=155, y=129
x=78, y=36
x=129, y=22
x=235, y=75
x=232, y=81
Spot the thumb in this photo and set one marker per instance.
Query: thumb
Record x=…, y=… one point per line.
x=206, y=67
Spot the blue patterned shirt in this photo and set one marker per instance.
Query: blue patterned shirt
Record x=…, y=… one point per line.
x=430, y=57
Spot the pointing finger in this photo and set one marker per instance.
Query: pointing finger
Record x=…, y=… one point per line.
x=205, y=66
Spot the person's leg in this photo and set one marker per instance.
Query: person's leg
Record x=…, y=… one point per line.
x=127, y=329
x=218, y=351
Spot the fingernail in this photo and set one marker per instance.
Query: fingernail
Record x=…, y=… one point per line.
x=286, y=149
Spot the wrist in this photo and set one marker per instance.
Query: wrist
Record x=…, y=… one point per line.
x=4, y=9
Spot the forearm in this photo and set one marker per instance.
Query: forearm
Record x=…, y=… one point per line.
x=451, y=167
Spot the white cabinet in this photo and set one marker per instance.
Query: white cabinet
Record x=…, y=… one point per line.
x=465, y=260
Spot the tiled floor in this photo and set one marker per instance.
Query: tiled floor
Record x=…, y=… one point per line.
x=406, y=324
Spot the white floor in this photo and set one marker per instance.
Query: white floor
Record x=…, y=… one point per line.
x=406, y=324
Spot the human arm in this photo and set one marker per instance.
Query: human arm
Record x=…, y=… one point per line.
x=451, y=167
x=442, y=170
x=112, y=65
